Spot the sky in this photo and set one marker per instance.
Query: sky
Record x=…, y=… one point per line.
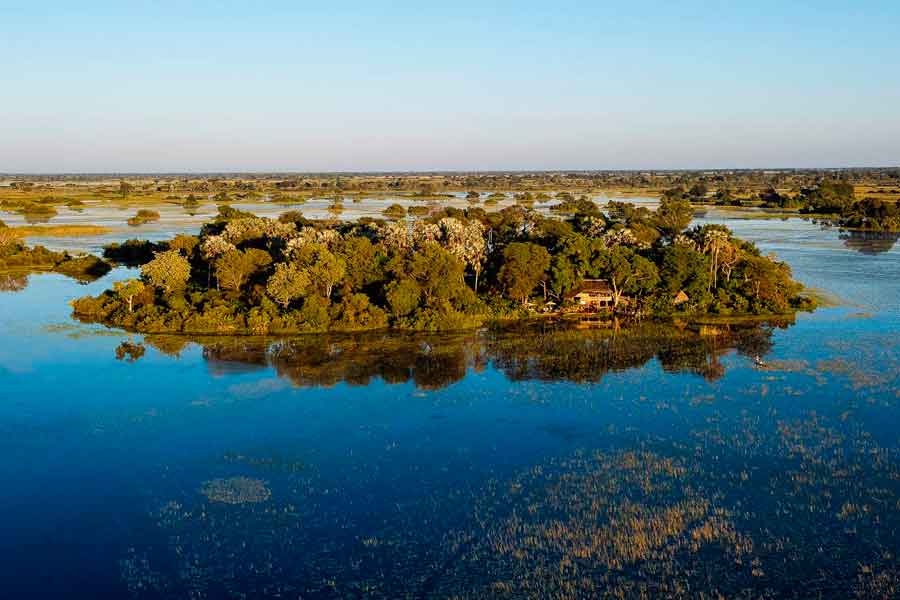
x=370, y=86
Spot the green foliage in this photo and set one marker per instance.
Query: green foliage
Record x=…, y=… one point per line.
x=628, y=273
x=132, y=253
x=14, y=255
x=227, y=213
x=364, y=262
x=294, y=216
x=235, y=266
x=168, y=271
x=767, y=284
x=184, y=244
x=278, y=278
x=287, y=283
x=143, y=216
x=403, y=296
x=570, y=262
x=674, y=214
x=394, y=211
x=829, y=196
x=324, y=269
x=438, y=274
x=314, y=314
x=524, y=265
x=872, y=214
x=356, y=312
x=684, y=269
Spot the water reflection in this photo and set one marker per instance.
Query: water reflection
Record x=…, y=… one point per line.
x=528, y=352
x=870, y=242
x=13, y=282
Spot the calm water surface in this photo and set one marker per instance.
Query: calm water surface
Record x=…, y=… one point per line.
x=559, y=464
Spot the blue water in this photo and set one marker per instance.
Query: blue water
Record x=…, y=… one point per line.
x=377, y=489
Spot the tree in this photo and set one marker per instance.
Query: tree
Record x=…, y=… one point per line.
x=287, y=284
x=698, y=191
x=524, y=265
x=235, y=266
x=439, y=275
x=168, y=270
x=684, y=269
x=357, y=312
x=324, y=269
x=394, y=211
x=673, y=215
x=7, y=236
x=403, y=296
x=626, y=271
x=570, y=261
x=128, y=289
x=466, y=242
x=364, y=260
x=184, y=243
x=722, y=253
x=768, y=283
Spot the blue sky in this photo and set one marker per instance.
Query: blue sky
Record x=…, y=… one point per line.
x=177, y=86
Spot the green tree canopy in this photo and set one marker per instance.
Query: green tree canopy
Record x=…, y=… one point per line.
x=128, y=289
x=168, y=270
x=235, y=266
x=673, y=215
x=524, y=265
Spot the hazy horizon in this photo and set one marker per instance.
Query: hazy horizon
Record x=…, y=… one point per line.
x=211, y=88
x=435, y=172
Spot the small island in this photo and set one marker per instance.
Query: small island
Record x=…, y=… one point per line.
x=19, y=259
x=833, y=200
x=455, y=269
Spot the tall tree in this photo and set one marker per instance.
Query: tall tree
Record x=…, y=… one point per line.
x=626, y=271
x=673, y=215
x=524, y=266
x=168, y=270
x=234, y=267
x=127, y=290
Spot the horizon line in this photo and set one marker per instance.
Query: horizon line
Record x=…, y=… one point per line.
x=288, y=172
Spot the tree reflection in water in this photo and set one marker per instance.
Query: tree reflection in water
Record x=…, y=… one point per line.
x=545, y=353
x=870, y=242
x=13, y=282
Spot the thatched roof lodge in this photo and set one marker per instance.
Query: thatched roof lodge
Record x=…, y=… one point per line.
x=593, y=294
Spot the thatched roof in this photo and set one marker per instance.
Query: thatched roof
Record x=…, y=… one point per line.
x=597, y=286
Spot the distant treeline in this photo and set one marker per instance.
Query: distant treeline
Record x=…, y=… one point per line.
x=738, y=181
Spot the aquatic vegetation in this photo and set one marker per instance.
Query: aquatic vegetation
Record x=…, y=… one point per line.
x=589, y=524
x=236, y=490
x=143, y=216
x=395, y=211
x=63, y=231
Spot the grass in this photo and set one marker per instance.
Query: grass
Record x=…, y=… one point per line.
x=57, y=230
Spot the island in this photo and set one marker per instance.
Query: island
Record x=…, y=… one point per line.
x=18, y=259
x=454, y=269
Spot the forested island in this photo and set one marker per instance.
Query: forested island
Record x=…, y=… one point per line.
x=454, y=269
x=830, y=198
x=16, y=257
